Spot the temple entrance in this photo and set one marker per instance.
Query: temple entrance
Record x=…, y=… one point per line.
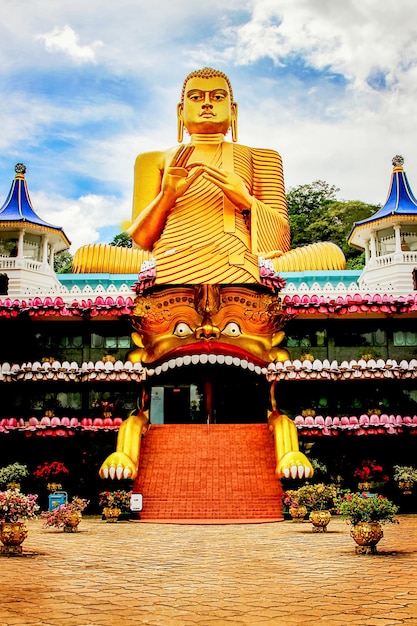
x=218, y=395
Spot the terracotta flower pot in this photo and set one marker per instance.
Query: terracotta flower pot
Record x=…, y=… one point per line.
x=12, y=535
x=320, y=520
x=111, y=513
x=72, y=521
x=297, y=513
x=366, y=535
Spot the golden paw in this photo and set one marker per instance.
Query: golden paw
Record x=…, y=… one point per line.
x=118, y=465
x=294, y=465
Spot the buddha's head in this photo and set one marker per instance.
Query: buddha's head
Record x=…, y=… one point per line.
x=207, y=104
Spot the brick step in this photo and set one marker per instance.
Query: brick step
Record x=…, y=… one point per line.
x=224, y=472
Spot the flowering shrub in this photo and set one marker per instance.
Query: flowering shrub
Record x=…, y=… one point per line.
x=60, y=516
x=370, y=470
x=13, y=473
x=316, y=497
x=289, y=498
x=115, y=499
x=49, y=469
x=15, y=505
x=362, y=507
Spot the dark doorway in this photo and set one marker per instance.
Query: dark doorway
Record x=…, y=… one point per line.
x=177, y=404
x=229, y=395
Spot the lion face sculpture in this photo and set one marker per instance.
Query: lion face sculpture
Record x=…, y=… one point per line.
x=208, y=323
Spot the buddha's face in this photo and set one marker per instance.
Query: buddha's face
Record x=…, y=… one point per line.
x=207, y=107
x=181, y=325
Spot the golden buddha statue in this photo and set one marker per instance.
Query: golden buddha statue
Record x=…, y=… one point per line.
x=208, y=218
x=208, y=211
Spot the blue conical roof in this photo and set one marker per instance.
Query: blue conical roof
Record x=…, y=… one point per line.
x=18, y=206
x=400, y=199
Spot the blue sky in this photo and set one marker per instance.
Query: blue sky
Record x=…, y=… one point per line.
x=86, y=86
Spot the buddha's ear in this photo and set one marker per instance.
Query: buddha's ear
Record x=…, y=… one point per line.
x=234, y=121
x=180, y=117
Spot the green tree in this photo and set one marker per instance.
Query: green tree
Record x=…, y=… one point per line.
x=63, y=262
x=122, y=240
x=316, y=215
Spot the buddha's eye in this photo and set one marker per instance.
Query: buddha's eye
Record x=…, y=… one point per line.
x=232, y=330
x=182, y=330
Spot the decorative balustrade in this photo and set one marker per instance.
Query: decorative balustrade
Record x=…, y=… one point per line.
x=287, y=370
x=72, y=372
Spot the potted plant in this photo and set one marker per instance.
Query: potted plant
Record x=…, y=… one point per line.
x=11, y=475
x=318, y=498
x=366, y=513
x=66, y=516
x=52, y=473
x=370, y=475
x=290, y=500
x=405, y=476
x=113, y=503
x=15, y=507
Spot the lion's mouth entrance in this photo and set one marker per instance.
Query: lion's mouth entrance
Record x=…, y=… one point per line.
x=219, y=395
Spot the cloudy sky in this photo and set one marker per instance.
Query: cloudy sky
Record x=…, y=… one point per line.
x=86, y=85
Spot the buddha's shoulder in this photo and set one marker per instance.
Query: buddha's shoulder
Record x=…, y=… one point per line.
x=155, y=158
x=259, y=152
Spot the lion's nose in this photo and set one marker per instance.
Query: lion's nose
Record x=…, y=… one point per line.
x=207, y=332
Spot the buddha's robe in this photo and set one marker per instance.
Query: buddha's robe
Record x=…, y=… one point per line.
x=206, y=239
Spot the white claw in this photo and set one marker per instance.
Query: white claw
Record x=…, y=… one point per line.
x=105, y=472
x=286, y=472
x=112, y=472
x=119, y=471
x=126, y=473
x=300, y=471
x=307, y=472
x=294, y=471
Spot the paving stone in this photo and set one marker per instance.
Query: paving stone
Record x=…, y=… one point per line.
x=209, y=575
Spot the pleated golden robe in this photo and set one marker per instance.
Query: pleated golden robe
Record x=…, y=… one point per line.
x=206, y=238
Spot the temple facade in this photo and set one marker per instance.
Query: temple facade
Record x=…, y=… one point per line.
x=349, y=384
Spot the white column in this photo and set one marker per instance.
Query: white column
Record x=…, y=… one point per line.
x=52, y=257
x=367, y=253
x=45, y=249
x=373, y=245
x=20, y=244
x=397, y=230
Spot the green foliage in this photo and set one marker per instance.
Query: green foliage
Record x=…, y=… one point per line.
x=316, y=497
x=316, y=215
x=63, y=263
x=122, y=240
x=405, y=473
x=361, y=507
x=13, y=473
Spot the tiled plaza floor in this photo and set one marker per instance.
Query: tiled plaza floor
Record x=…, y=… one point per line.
x=131, y=573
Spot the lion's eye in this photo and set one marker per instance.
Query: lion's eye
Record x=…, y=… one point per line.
x=232, y=330
x=182, y=330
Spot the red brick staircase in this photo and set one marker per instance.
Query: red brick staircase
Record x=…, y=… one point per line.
x=192, y=473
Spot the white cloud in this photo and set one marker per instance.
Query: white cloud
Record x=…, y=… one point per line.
x=65, y=40
x=81, y=218
x=331, y=85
